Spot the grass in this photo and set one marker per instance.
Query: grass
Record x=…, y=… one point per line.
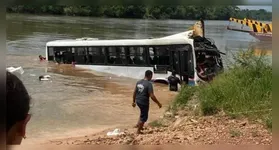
x=187, y=92
x=156, y=123
x=268, y=121
x=244, y=89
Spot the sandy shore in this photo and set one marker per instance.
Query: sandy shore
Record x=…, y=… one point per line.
x=183, y=131
x=181, y=128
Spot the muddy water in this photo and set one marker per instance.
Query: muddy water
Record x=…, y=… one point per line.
x=77, y=102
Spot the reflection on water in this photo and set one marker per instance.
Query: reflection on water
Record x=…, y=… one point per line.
x=76, y=99
x=262, y=48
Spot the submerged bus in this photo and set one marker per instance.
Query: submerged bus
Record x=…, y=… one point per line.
x=132, y=57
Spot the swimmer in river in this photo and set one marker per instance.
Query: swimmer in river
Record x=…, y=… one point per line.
x=17, y=113
x=41, y=58
x=142, y=92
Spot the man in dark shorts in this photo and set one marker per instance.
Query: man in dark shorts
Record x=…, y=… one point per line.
x=142, y=92
x=173, y=82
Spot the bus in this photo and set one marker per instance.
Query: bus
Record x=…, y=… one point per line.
x=132, y=57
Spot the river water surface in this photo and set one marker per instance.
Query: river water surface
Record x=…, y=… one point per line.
x=76, y=102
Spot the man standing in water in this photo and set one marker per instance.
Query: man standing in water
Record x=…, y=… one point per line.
x=173, y=82
x=142, y=92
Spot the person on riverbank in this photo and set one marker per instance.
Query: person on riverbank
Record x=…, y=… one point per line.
x=173, y=82
x=18, y=105
x=142, y=92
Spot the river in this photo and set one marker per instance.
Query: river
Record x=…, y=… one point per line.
x=76, y=102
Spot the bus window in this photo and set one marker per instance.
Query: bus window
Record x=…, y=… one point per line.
x=80, y=51
x=151, y=55
x=67, y=56
x=116, y=56
x=80, y=55
x=136, y=56
x=159, y=55
x=59, y=54
x=96, y=55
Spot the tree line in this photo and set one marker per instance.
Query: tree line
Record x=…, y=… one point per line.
x=147, y=12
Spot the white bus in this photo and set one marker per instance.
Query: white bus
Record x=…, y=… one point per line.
x=132, y=57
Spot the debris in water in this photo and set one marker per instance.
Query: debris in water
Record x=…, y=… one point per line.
x=44, y=78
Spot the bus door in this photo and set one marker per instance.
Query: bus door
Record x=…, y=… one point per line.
x=177, y=65
x=175, y=61
x=182, y=62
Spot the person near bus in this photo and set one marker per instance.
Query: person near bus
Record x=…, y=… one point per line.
x=173, y=82
x=41, y=58
x=142, y=92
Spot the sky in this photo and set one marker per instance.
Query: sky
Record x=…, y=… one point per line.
x=259, y=1
x=267, y=8
x=259, y=4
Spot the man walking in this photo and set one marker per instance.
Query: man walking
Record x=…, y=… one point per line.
x=173, y=82
x=142, y=92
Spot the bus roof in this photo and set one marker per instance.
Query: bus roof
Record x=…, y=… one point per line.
x=180, y=38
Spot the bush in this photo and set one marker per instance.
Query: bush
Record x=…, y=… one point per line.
x=184, y=96
x=245, y=89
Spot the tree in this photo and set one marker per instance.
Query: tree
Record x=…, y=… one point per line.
x=147, y=12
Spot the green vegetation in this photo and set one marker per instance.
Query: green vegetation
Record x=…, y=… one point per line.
x=245, y=89
x=187, y=92
x=268, y=121
x=156, y=123
x=146, y=12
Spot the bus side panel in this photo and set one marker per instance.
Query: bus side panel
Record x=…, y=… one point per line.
x=46, y=53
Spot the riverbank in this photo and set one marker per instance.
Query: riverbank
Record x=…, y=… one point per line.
x=187, y=130
x=200, y=115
